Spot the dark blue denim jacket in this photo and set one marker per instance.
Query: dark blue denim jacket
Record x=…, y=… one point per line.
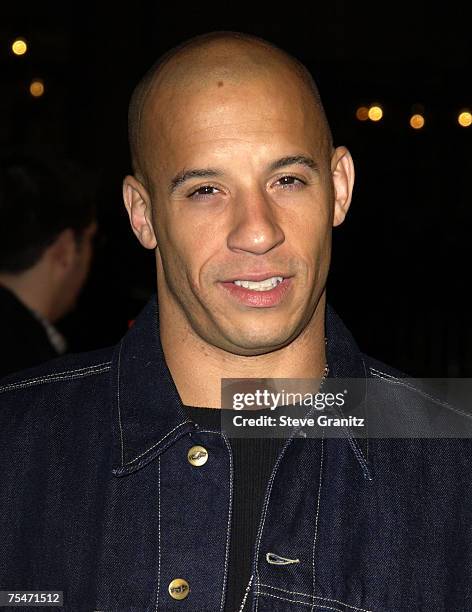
x=99, y=500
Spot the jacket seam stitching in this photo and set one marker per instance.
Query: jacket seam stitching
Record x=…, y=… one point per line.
x=119, y=406
x=158, y=531
x=329, y=600
x=229, y=521
x=72, y=374
x=305, y=603
x=89, y=367
x=360, y=457
x=156, y=443
x=243, y=603
x=356, y=449
x=398, y=381
x=317, y=513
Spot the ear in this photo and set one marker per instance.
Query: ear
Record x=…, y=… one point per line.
x=342, y=168
x=63, y=251
x=138, y=206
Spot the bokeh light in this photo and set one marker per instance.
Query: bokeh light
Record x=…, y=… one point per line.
x=465, y=119
x=417, y=121
x=19, y=46
x=362, y=113
x=375, y=113
x=36, y=88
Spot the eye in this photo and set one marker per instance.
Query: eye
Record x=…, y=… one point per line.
x=203, y=192
x=290, y=182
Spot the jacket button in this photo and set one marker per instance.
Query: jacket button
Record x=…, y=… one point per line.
x=197, y=455
x=179, y=588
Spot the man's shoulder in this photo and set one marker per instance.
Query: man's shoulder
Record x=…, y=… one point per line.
x=55, y=382
x=405, y=384
x=65, y=367
x=55, y=416
x=377, y=368
x=425, y=399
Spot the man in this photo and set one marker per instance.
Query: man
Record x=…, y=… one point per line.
x=46, y=231
x=119, y=488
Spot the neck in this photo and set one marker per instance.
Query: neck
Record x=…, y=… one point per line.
x=31, y=289
x=198, y=367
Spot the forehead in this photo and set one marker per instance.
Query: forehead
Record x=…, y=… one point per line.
x=228, y=106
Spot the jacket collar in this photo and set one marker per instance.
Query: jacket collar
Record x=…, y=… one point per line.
x=148, y=415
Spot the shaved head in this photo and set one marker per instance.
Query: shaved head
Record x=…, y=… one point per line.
x=210, y=60
x=235, y=178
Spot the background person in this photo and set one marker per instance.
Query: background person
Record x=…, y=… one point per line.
x=47, y=225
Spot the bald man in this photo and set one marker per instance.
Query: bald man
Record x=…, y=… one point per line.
x=121, y=485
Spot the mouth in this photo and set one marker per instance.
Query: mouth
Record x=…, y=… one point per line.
x=262, y=285
x=259, y=291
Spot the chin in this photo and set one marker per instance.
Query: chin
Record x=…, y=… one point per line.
x=257, y=342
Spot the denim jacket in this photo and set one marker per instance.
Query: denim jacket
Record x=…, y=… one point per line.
x=98, y=498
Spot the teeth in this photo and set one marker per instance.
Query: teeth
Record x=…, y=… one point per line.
x=265, y=285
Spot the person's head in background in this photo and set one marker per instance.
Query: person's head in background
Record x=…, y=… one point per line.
x=47, y=223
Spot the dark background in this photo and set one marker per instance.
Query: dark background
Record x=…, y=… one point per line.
x=400, y=271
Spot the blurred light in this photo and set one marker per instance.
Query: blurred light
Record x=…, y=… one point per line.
x=19, y=46
x=36, y=88
x=465, y=118
x=375, y=113
x=417, y=121
x=362, y=113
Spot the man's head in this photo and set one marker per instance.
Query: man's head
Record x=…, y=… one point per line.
x=235, y=178
x=47, y=224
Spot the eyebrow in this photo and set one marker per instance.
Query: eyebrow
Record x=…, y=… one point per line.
x=185, y=175
x=291, y=160
x=288, y=160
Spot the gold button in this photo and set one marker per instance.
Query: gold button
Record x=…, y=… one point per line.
x=197, y=455
x=179, y=588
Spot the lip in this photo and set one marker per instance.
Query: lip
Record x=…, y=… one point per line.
x=258, y=299
x=255, y=276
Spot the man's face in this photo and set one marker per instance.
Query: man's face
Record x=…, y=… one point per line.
x=241, y=190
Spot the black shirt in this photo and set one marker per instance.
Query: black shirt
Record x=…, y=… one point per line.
x=253, y=461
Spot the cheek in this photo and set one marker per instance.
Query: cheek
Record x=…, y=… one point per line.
x=178, y=253
x=187, y=242
x=309, y=229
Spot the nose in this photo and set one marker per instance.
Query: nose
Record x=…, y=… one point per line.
x=255, y=227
